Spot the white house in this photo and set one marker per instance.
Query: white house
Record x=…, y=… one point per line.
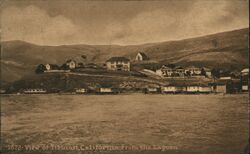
x=118, y=64
x=141, y=57
x=51, y=67
x=71, y=64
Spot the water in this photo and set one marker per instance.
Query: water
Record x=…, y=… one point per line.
x=212, y=124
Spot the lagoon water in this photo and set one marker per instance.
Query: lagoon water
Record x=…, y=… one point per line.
x=207, y=124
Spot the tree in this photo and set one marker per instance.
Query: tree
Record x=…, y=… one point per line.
x=215, y=43
x=80, y=64
x=215, y=73
x=188, y=73
x=171, y=65
x=65, y=67
x=84, y=57
x=203, y=72
x=40, y=69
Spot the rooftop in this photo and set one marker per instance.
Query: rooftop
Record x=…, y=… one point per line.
x=118, y=59
x=144, y=56
x=246, y=70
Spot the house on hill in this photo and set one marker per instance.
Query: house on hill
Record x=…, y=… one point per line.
x=141, y=57
x=71, y=64
x=118, y=64
x=49, y=67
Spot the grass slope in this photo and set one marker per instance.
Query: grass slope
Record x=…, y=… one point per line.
x=227, y=50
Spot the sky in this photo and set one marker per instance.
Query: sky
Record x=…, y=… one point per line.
x=60, y=22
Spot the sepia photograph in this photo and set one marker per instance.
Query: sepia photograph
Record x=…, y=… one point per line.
x=124, y=76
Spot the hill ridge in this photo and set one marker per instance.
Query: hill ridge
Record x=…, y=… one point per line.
x=225, y=49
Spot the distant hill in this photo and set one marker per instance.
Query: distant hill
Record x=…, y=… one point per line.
x=225, y=50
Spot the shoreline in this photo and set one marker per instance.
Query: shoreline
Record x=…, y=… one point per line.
x=111, y=94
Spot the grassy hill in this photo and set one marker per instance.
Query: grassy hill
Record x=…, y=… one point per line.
x=226, y=50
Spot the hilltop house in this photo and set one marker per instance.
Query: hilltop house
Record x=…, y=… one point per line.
x=71, y=64
x=49, y=67
x=141, y=57
x=118, y=64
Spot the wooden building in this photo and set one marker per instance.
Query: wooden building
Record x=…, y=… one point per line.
x=118, y=64
x=50, y=67
x=141, y=57
x=71, y=64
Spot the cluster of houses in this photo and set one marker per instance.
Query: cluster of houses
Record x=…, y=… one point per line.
x=222, y=88
x=178, y=71
x=66, y=67
x=124, y=64
x=113, y=63
x=189, y=89
x=223, y=85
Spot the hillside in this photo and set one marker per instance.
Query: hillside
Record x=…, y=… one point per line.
x=227, y=50
x=54, y=82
